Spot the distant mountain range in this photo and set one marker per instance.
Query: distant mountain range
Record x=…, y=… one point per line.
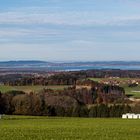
x=72, y=65
x=34, y=62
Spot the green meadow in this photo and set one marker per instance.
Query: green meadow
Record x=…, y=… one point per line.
x=45, y=128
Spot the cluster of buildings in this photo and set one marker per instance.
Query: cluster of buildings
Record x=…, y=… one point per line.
x=130, y=116
x=115, y=81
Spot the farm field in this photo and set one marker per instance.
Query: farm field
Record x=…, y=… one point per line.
x=28, y=89
x=130, y=91
x=44, y=128
x=134, y=92
x=100, y=79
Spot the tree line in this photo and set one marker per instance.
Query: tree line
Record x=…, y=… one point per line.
x=64, y=78
x=20, y=103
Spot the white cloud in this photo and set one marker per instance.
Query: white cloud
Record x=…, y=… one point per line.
x=38, y=15
x=15, y=32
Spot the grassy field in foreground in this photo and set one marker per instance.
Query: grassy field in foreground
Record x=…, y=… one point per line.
x=44, y=128
x=4, y=89
x=131, y=91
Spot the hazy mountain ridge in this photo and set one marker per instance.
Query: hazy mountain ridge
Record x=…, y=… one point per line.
x=32, y=62
x=35, y=64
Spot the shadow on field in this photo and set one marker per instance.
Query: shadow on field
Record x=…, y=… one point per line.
x=130, y=95
x=30, y=117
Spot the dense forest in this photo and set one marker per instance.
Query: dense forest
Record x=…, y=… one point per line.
x=19, y=103
x=84, y=98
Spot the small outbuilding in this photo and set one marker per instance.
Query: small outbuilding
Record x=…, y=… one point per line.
x=130, y=116
x=124, y=116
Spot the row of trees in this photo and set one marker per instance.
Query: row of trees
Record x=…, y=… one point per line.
x=113, y=73
x=109, y=111
x=55, y=105
x=64, y=78
x=57, y=79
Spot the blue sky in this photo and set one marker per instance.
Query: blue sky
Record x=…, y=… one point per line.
x=64, y=30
